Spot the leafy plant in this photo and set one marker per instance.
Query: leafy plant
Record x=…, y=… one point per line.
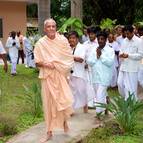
x=107, y=23
x=139, y=24
x=74, y=24
x=33, y=98
x=0, y=96
x=34, y=38
x=8, y=124
x=125, y=111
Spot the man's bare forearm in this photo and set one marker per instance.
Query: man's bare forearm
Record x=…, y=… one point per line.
x=45, y=65
x=3, y=56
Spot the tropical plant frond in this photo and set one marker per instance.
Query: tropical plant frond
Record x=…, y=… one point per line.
x=125, y=111
x=74, y=24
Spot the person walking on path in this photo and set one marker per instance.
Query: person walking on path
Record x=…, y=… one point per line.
x=130, y=56
x=77, y=80
x=53, y=57
x=101, y=60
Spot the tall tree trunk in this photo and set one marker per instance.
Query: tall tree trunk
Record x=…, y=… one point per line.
x=76, y=8
x=43, y=13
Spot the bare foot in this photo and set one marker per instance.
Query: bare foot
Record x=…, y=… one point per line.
x=47, y=137
x=85, y=109
x=66, y=128
x=72, y=114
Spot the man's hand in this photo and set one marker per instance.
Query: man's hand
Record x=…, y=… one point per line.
x=49, y=65
x=123, y=55
x=98, y=51
x=45, y=65
x=5, y=67
x=78, y=59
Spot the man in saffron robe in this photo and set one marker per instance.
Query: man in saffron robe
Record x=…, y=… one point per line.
x=54, y=58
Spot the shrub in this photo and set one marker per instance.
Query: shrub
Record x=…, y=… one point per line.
x=124, y=111
x=8, y=124
x=74, y=24
x=107, y=23
x=33, y=98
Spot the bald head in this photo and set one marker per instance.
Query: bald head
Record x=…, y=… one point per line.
x=50, y=28
x=49, y=20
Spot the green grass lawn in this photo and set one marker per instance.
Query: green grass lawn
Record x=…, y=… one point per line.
x=17, y=112
x=12, y=104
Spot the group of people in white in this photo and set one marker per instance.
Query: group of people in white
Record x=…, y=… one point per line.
x=105, y=60
x=102, y=60
x=18, y=46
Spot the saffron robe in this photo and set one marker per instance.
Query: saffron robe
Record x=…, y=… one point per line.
x=56, y=93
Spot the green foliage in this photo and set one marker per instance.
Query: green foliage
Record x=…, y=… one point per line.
x=103, y=134
x=138, y=10
x=111, y=133
x=107, y=23
x=60, y=11
x=12, y=99
x=26, y=120
x=8, y=124
x=139, y=24
x=32, y=31
x=125, y=111
x=125, y=11
x=32, y=10
x=126, y=139
x=33, y=98
x=34, y=38
x=72, y=24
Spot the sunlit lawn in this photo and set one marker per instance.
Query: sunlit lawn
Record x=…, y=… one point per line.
x=14, y=107
x=11, y=89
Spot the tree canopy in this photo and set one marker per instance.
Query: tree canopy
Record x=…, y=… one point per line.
x=124, y=11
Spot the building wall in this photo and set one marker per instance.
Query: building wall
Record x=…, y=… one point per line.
x=13, y=15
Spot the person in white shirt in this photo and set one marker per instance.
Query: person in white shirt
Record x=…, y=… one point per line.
x=3, y=56
x=120, y=38
x=113, y=44
x=89, y=45
x=130, y=54
x=140, y=73
x=77, y=81
x=28, y=51
x=101, y=60
x=85, y=36
x=118, y=30
x=13, y=45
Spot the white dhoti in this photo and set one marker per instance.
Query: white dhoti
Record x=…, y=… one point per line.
x=90, y=89
x=78, y=86
x=114, y=77
x=101, y=93
x=13, y=53
x=127, y=82
x=140, y=76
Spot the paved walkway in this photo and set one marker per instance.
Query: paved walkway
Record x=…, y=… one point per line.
x=80, y=125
